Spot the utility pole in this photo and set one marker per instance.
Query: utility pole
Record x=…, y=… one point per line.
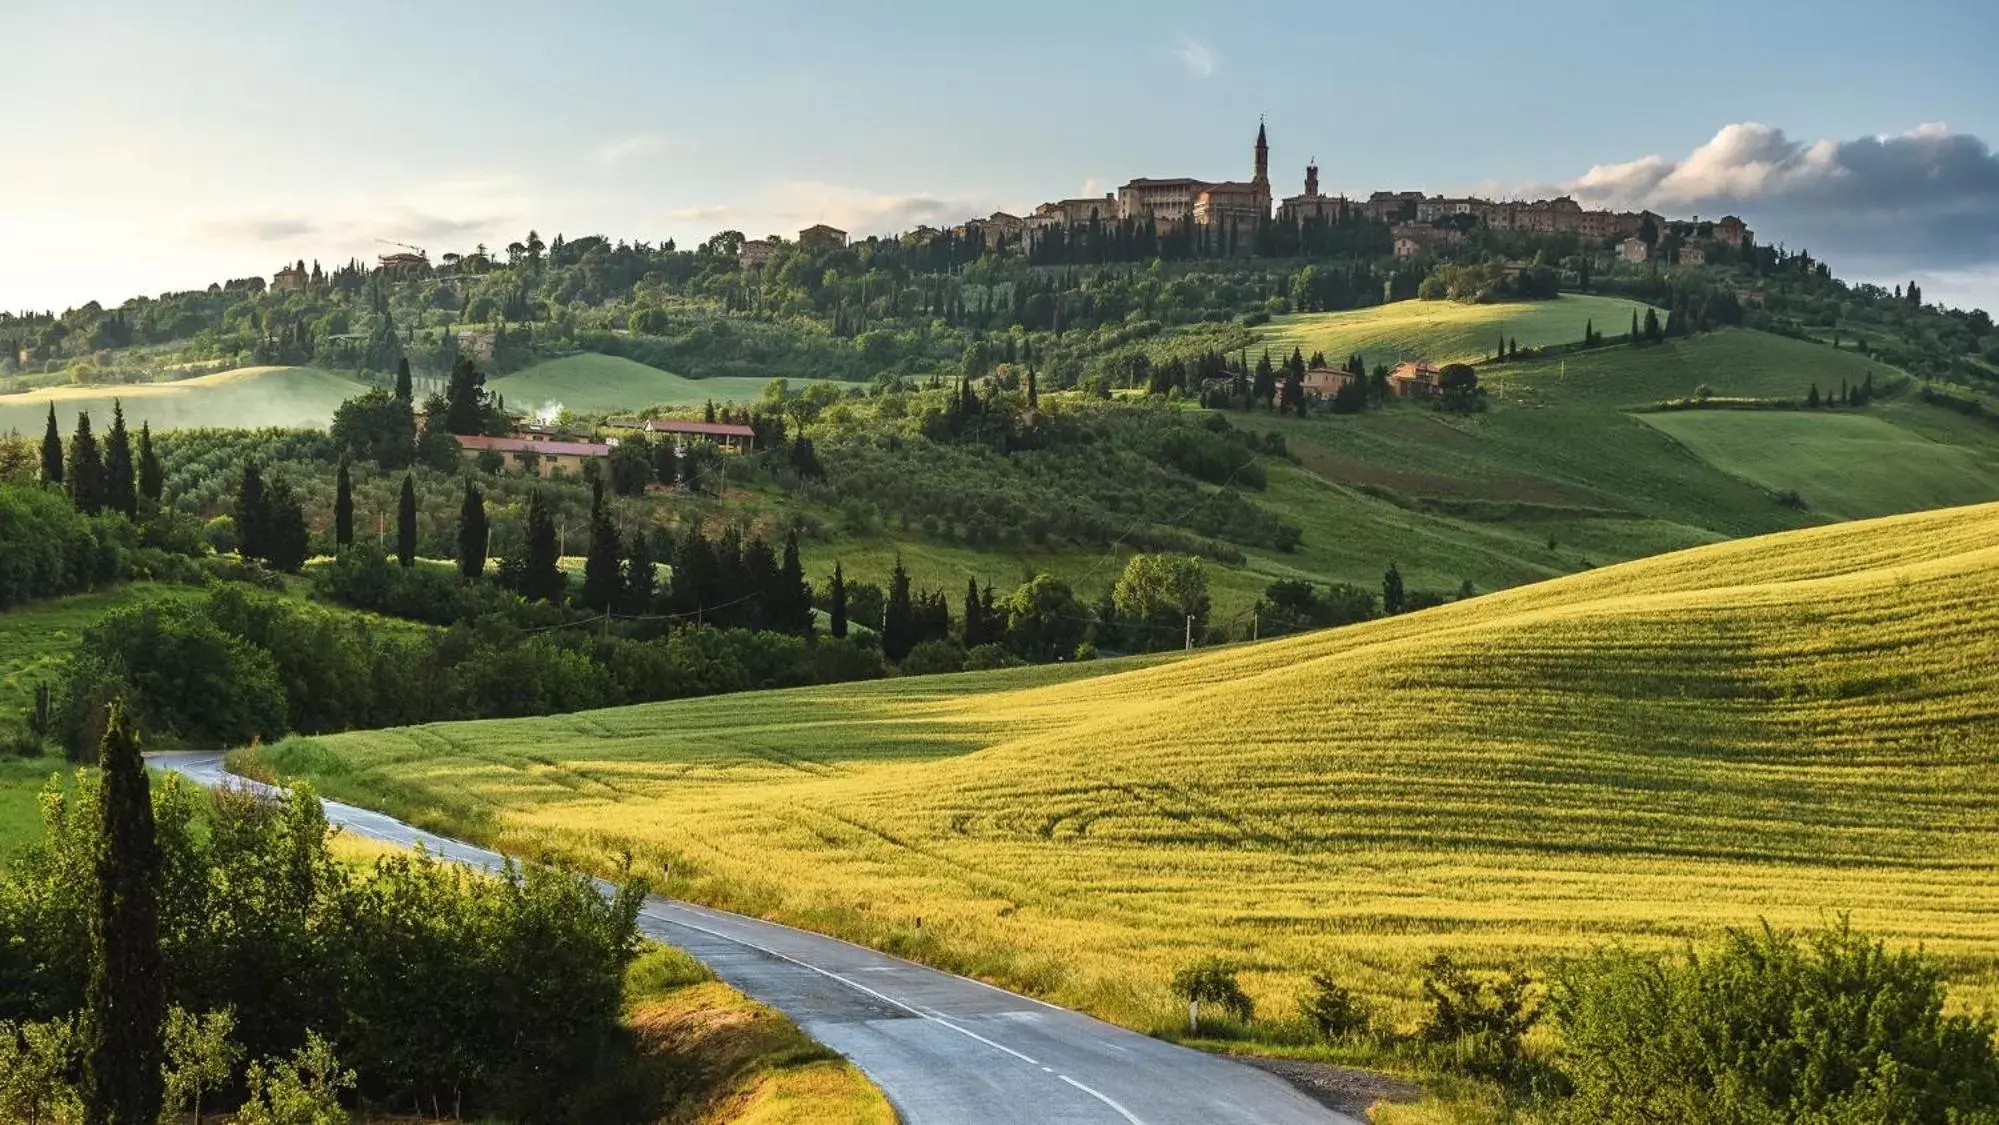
x=1255, y=625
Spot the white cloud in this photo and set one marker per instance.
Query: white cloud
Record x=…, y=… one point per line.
x=702, y=213
x=635, y=146
x=1196, y=57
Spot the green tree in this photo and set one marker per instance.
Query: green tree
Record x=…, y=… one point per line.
x=1212, y=980
x=1393, y=599
x=436, y=447
x=152, y=481
x=404, y=390
x=465, y=398
x=602, y=579
x=120, y=495
x=1044, y=619
x=793, y=611
x=302, y=1090
x=52, y=451
x=84, y=475
x=898, y=623
x=253, y=513
x=125, y=1009
x=641, y=579
x=201, y=1058
x=836, y=599
x=377, y=426
x=288, y=542
x=343, y=506
x=1159, y=594
x=631, y=466
x=406, y=522
x=472, y=533
x=37, y=1061
x=1652, y=333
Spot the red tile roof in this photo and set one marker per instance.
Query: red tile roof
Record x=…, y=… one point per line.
x=713, y=429
x=547, y=448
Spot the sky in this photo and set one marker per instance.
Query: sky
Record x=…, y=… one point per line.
x=158, y=145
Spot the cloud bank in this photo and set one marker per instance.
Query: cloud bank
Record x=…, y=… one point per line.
x=1924, y=199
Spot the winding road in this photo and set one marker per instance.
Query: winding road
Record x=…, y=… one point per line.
x=947, y=1050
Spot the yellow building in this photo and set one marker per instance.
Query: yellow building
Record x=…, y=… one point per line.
x=535, y=456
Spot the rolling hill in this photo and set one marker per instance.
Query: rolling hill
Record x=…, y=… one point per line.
x=599, y=384
x=247, y=397
x=1445, y=331
x=1782, y=728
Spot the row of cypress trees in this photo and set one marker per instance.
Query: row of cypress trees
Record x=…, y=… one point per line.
x=112, y=478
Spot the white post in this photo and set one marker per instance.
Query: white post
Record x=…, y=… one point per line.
x=1190, y=632
x=1193, y=1017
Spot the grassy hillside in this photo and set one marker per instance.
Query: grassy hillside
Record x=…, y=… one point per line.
x=1780, y=728
x=598, y=384
x=246, y=397
x=1445, y=331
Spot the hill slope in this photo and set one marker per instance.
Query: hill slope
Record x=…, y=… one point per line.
x=1775, y=728
x=1445, y=331
x=597, y=384
x=247, y=397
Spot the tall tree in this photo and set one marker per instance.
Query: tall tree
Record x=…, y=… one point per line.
x=465, y=398
x=287, y=543
x=836, y=597
x=796, y=613
x=641, y=580
x=404, y=389
x=119, y=493
x=1392, y=600
x=541, y=577
x=974, y=633
x=898, y=616
x=472, y=529
x=152, y=481
x=343, y=506
x=602, y=581
x=52, y=451
x=406, y=523
x=125, y=1006
x=84, y=475
x=253, y=512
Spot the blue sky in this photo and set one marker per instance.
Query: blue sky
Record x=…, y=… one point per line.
x=153, y=146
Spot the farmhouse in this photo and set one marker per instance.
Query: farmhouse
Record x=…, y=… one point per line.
x=1415, y=380
x=1693, y=256
x=755, y=252
x=405, y=265
x=819, y=236
x=1325, y=382
x=289, y=278
x=1635, y=250
x=731, y=437
x=536, y=456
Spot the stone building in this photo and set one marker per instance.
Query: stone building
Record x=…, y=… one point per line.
x=819, y=236
x=1225, y=207
x=1312, y=206
x=405, y=265
x=290, y=278
x=755, y=252
x=1634, y=249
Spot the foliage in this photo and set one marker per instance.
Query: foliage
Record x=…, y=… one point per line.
x=1480, y=1024
x=304, y=1089
x=1332, y=1009
x=124, y=1011
x=1772, y=1026
x=201, y=1057
x=1212, y=980
x=48, y=548
x=1158, y=596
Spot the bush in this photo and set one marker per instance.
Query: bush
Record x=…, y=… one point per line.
x=931, y=657
x=982, y=658
x=1480, y=1025
x=1333, y=1010
x=1772, y=1027
x=1212, y=980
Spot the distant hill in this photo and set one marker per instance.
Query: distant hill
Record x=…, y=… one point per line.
x=1782, y=728
x=246, y=397
x=1445, y=331
x=599, y=384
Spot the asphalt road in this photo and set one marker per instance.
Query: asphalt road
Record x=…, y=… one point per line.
x=945, y=1049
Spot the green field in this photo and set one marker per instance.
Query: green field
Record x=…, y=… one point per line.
x=247, y=397
x=1445, y=331
x=1849, y=466
x=602, y=384
x=1781, y=728
x=36, y=639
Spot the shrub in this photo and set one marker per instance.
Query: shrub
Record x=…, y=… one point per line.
x=1771, y=1027
x=302, y=1090
x=934, y=656
x=1481, y=1025
x=1212, y=980
x=1333, y=1010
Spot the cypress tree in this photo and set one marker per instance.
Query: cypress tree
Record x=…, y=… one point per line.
x=602, y=582
x=52, y=451
x=837, y=597
x=641, y=581
x=343, y=506
x=1634, y=328
x=84, y=475
x=125, y=1003
x=797, y=604
x=152, y=481
x=974, y=628
x=1652, y=334
x=1589, y=332
x=406, y=523
x=252, y=512
x=666, y=462
x=472, y=528
x=287, y=541
x=542, y=580
x=898, y=616
x=1391, y=591
x=404, y=390
x=119, y=493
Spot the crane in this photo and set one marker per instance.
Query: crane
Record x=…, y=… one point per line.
x=392, y=242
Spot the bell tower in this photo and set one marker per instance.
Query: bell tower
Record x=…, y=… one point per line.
x=1262, y=154
x=1312, y=178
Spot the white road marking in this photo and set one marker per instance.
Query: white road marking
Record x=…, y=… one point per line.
x=1122, y=1111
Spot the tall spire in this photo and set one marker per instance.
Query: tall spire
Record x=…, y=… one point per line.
x=1262, y=153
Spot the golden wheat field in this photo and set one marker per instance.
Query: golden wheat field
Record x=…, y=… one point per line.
x=1783, y=728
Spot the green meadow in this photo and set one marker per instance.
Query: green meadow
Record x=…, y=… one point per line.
x=602, y=384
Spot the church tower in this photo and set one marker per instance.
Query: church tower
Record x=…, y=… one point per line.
x=1312, y=178
x=1262, y=155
